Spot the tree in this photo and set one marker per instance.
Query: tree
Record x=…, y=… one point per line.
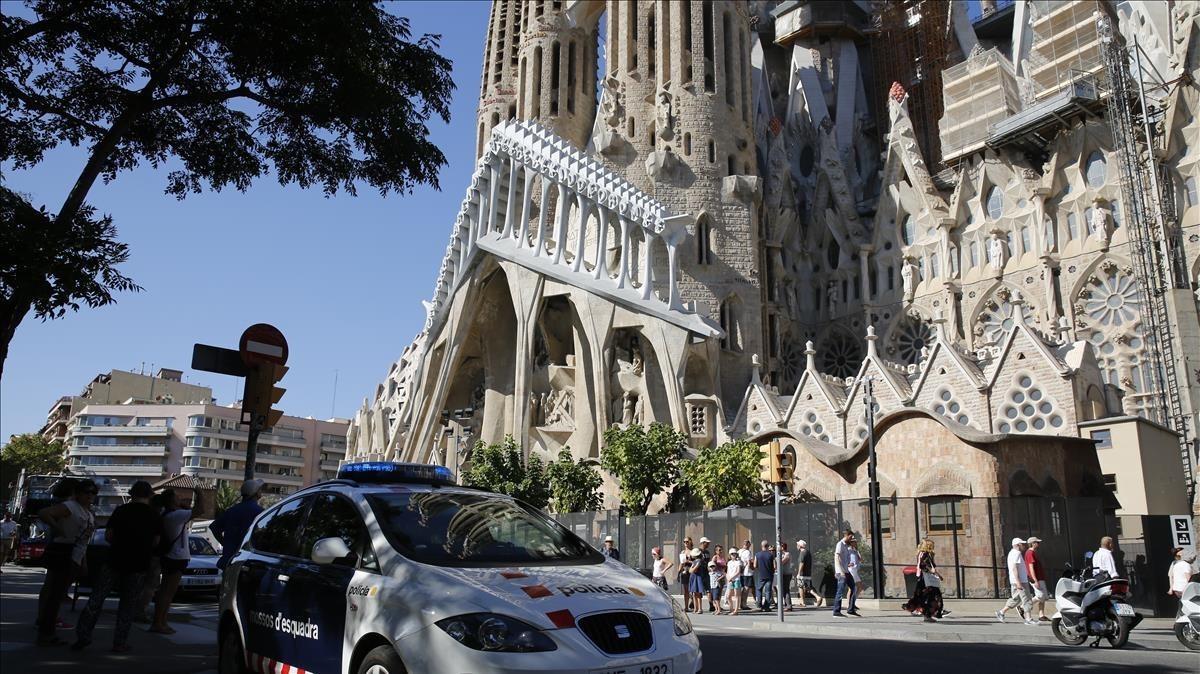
x=317, y=93
x=725, y=475
x=645, y=460
x=574, y=485
x=49, y=269
x=31, y=452
x=226, y=497
x=502, y=469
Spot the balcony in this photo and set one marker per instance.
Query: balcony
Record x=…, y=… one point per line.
x=214, y=473
x=119, y=469
x=818, y=18
x=215, y=453
x=162, y=430
x=271, y=478
x=328, y=446
x=265, y=457
x=287, y=440
x=118, y=450
x=330, y=465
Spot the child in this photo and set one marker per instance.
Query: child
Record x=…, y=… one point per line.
x=733, y=591
x=661, y=566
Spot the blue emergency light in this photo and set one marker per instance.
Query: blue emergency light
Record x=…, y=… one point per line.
x=393, y=472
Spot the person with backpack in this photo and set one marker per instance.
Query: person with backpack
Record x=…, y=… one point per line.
x=132, y=534
x=71, y=524
x=175, y=554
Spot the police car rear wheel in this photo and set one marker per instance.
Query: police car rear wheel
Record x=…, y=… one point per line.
x=381, y=660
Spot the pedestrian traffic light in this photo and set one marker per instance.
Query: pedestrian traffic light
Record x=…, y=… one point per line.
x=764, y=462
x=261, y=393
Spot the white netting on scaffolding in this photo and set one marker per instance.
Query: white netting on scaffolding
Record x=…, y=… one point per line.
x=976, y=93
x=1065, y=45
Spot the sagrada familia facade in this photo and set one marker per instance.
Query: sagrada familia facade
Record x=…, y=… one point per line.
x=730, y=216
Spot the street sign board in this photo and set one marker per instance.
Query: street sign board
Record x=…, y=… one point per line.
x=1181, y=532
x=217, y=359
x=263, y=343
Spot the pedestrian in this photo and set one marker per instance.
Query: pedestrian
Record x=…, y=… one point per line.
x=610, y=550
x=685, y=563
x=132, y=533
x=764, y=569
x=930, y=581
x=845, y=581
x=853, y=563
x=71, y=524
x=659, y=573
x=1018, y=582
x=717, y=579
x=804, y=584
x=1103, y=560
x=1180, y=573
x=705, y=558
x=733, y=592
x=913, y=605
x=153, y=578
x=748, y=587
x=786, y=569
x=175, y=554
x=8, y=538
x=1037, y=577
x=231, y=526
x=695, y=590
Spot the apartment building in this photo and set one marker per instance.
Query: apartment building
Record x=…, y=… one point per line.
x=121, y=387
x=123, y=443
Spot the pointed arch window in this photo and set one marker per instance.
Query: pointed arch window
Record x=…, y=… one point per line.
x=703, y=241
x=995, y=203
x=1095, y=169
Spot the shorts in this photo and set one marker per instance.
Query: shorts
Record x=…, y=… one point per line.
x=173, y=565
x=736, y=583
x=1039, y=591
x=804, y=583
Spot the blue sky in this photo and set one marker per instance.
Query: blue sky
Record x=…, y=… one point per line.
x=342, y=277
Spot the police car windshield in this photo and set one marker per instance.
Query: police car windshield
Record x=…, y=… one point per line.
x=453, y=528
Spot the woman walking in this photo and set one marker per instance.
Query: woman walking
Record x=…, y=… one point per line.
x=71, y=525
x=661, y=566
x=928, y=575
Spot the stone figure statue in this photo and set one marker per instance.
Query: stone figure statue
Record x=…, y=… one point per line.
x=1098, y=222
x=535, y=409
x=664, y=118
x=610, y=102
x=995, y=252
x=908, y=278
x=628, y=408
x=832, y=293
x=1047, y=235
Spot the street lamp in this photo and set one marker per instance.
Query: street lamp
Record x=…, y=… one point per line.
x=873, y=494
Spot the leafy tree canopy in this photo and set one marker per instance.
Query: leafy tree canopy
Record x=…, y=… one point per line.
x=645, y=460
x=501, y=468
x=574, y=485
x=329, y=94
x=227, y=496
x=725, y=475
x=31, y=452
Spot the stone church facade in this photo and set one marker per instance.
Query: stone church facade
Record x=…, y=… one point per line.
x=729, y=217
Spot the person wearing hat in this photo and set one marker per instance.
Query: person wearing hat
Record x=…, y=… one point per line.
x=659, y=573
x=804, y=585
x=1037, y=577
x=231, y=526
x=133, y=532
x=1181, y=571
x=695, y=589
x=705, y=558
x=611, y=550
x=1018, y=582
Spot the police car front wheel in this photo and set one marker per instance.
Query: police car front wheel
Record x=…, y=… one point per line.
x=381, y=660
x=231, y=658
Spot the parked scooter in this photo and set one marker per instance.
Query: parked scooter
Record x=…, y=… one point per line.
x=1187, y=620
x=1093, y=606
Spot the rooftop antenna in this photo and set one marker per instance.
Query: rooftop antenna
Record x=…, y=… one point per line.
x=333, y=403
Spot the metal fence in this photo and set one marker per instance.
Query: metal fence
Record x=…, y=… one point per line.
x=972, y=535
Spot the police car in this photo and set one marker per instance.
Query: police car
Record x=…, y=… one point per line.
x=394, y=568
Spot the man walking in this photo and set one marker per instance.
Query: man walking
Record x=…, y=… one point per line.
x=1103, y=559
x=132, y=533
x=231, y=526
x=841, y=571
x=804, y=584
x=610, y=550
x=8, y=538
x=764, y=569
x=1018, y=581
x=1037, y=577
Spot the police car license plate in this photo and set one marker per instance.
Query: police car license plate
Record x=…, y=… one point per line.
x=1124, y=610
x=661, y=667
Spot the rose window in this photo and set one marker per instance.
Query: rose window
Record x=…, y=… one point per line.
x=841, y=356
x=911, y=336
x=791, y=362
x=997, y=321
x=1114, y=300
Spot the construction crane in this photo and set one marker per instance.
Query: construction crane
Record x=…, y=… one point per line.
x=1156, y=245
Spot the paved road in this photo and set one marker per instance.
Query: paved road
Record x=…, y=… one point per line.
x=733, y=645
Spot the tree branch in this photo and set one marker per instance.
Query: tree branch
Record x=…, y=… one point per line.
x=44, y=105
x=40, y=26
x=180, y=100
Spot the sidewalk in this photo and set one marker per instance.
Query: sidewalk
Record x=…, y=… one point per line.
x=969, y=622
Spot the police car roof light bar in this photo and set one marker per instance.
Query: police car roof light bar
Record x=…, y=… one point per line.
x=392, y=472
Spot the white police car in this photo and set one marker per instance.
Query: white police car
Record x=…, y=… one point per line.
x=393, y=568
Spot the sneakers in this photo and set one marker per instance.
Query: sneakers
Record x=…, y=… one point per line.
x=854, y=612
x=1021, y=612
x=1032, y=621
x=1000, y=616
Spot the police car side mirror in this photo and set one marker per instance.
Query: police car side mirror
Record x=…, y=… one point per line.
x=329, y=550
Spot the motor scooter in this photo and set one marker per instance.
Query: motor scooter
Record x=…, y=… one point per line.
x=1187, y=620
x=1095, y=606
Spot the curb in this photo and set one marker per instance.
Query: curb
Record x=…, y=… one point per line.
x=935, y=636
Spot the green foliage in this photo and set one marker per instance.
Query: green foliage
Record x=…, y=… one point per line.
x=226, y=498
x=645, y=460
x=31, y=452
x=724, y=476
x=574, y=485
x=328, y=94
x=501, y=468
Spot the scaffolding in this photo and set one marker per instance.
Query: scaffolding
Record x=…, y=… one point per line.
x=1154, y=237
x=976, y=94
x=1065, y=46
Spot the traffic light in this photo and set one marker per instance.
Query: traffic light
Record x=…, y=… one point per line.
x=777, y=465
x=764, y=461
x=261, y=393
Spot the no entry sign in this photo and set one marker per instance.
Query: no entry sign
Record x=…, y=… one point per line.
x=263, y=344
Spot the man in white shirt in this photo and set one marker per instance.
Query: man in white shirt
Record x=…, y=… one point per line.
x=747, y=558
x=1102, y=559
x=8, y=538
x=1018, y=582
x=841, y=570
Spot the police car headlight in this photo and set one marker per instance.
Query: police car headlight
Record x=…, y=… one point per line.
x=492, y=632
x=682, y=624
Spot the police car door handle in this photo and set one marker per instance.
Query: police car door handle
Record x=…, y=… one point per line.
x=283, y=578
